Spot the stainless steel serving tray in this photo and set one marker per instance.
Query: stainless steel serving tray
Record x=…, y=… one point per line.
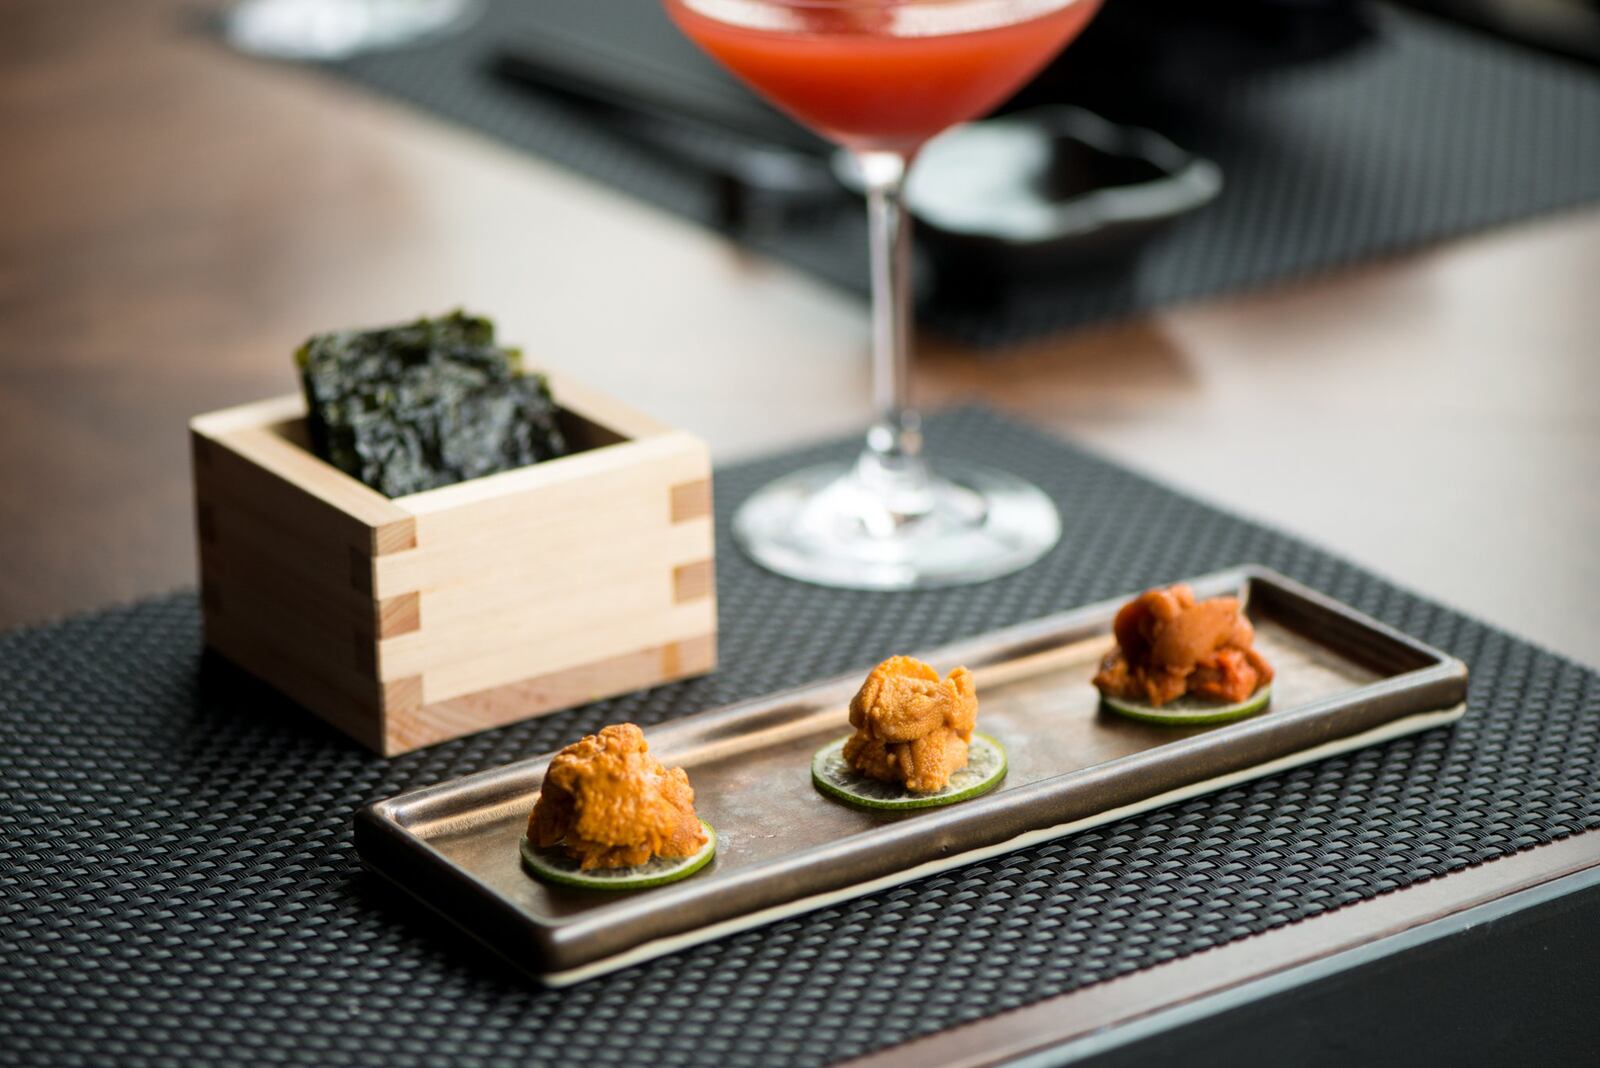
x=1343, y=681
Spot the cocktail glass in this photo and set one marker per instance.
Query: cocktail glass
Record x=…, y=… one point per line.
x=880, y=78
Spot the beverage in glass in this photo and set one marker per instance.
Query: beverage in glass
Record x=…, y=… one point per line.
x=880, y=78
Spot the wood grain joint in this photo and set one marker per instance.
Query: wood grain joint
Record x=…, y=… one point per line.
x=401, y=614
x=691, y=500
x=394, y=537
x=691, y=582
x=402, y=695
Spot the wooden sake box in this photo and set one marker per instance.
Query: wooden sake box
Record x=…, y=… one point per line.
x=408, y=621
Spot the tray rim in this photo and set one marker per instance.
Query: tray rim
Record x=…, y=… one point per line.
x=384, y=834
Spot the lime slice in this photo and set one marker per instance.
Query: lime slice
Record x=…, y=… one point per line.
x=555, y=866
x=986, y=766
x=1189, y=711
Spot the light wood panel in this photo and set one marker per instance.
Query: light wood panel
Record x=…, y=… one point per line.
x=425, y=617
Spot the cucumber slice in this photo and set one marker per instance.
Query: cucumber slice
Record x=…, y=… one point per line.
x=555, y=866
x=986, y=766
x=1190, y=712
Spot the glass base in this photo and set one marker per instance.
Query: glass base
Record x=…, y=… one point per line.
x=334, y=29
x=835, y=526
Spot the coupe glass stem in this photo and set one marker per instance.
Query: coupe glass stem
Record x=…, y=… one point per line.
x=889, y=519
x=891, y=467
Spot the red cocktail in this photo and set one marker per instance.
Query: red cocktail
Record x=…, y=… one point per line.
x=881, y=77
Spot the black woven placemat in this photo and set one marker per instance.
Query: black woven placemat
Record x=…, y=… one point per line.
x=1430, y=132
x=178, y=885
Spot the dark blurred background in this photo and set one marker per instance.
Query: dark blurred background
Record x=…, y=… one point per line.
x=1291, y=137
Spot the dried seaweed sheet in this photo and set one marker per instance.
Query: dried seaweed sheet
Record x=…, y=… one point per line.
x=425, y=404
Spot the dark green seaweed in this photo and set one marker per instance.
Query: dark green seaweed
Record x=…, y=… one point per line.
x=425, y=404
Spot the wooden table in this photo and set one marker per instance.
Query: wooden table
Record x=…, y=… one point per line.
x=177, y=219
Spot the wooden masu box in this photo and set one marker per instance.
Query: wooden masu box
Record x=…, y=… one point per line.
x=408, y=621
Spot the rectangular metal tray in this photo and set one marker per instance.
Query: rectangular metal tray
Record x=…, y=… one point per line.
x=1344, y=680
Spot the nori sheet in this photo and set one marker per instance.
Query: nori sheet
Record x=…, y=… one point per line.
x=425, y=404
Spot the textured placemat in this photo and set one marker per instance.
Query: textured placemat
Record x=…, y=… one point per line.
x=178, y=884
x=1430, y=132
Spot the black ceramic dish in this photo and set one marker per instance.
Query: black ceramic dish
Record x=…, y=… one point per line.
x=1049, y=189
x=1343, y=681
x=1025, y=194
